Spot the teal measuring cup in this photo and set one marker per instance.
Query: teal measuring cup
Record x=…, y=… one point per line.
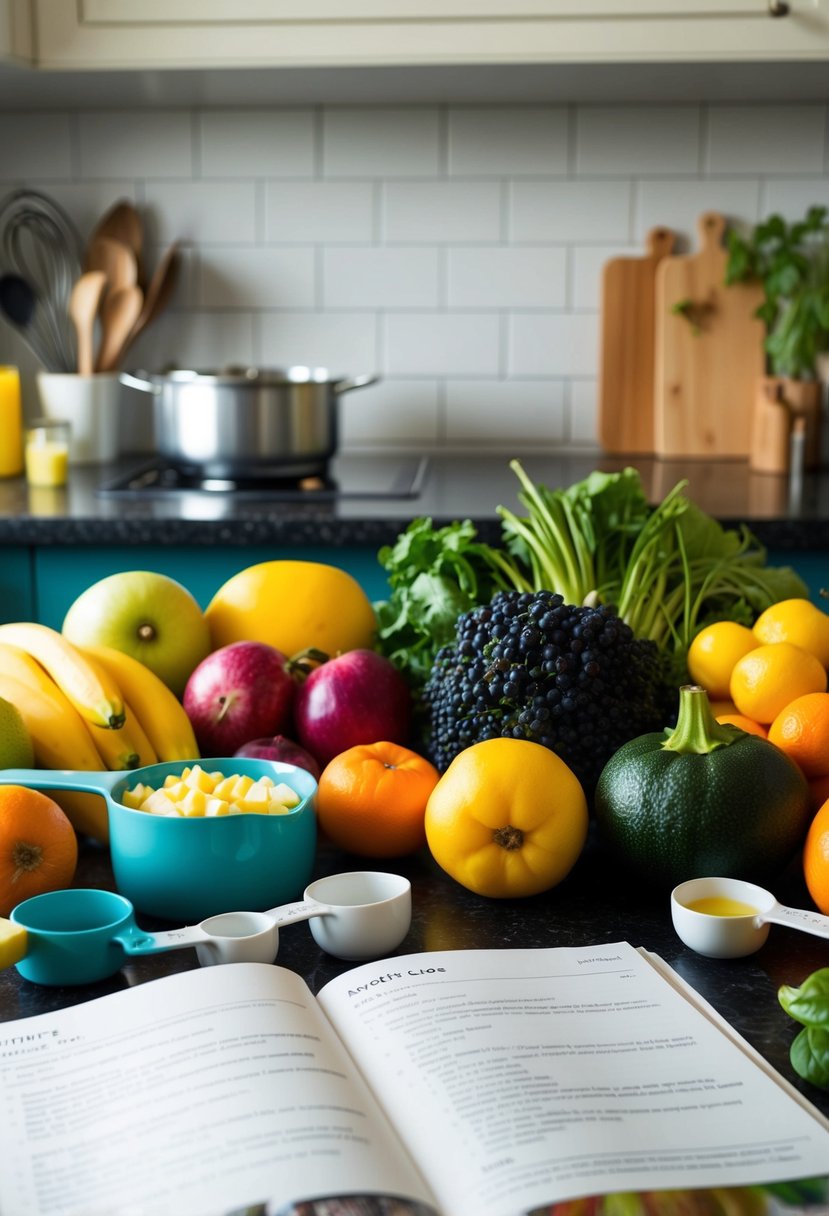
x=81, y=936
x=178, y=868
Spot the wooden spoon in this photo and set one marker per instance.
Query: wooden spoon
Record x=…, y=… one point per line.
x=84, y=303
x=162, y=285
x=119, y=314
x=123, y=223
x=115, y=259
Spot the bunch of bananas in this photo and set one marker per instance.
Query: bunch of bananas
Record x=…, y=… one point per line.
x=89, y=709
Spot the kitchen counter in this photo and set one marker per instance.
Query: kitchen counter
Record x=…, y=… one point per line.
x=783, y=515
x=595, y=904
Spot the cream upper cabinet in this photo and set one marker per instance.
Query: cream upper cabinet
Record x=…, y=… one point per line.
x=112, y=34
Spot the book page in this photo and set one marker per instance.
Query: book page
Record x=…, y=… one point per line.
x=203, y=1092
x=520, y=1078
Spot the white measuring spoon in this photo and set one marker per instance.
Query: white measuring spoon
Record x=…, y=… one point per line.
x=729, y=918
x=356, y=916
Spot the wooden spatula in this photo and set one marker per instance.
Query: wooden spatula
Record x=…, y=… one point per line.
x=115, y=259
x=119, y=314
x=84, y=304
x=123, y=223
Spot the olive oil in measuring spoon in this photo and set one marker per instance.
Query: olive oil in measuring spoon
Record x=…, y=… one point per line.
x=721, y=905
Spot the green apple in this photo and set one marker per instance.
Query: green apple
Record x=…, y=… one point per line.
x=144, y=614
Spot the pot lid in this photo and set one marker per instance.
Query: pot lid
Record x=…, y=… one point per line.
x=235, y=374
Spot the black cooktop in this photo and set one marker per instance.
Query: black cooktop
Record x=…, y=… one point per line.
x=399, y=477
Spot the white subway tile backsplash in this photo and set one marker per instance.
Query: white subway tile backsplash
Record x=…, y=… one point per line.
x=558, y=344
x=617, y=141
x=345, y=343
x=319, y=211
x=588, y=265
x=793, y=198
x=442, y=344
x=509, y=141
x=392, y=411
x=204, y=213
x=380, y=142
x=454, y=250
x=256, y=143
x=679, y=204
x=380, y=277
x=583, y=413
x=456, y=211
x=766, y=139
x=570, y=211
x=505, y=411
x=257, y=278
x=36, y=146
x=119, y=143
x=520, y=277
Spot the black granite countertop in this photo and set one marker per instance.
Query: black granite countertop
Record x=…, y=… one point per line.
x=782, y=514
x=595, y=904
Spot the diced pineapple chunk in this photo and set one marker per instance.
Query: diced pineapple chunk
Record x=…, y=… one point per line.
x=216, y=806
x=284, y=794
x=178, y=791
x=224, y=788
x=278, y=808
x=198, y=779
x=157, y=803
x=193, y=803
x=134, y=797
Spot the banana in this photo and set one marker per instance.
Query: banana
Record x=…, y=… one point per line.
x=95, y=695
x=59, y=736
x=158, y=710
x=126, y=747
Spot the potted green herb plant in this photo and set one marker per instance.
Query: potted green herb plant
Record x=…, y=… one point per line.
x=791, y=263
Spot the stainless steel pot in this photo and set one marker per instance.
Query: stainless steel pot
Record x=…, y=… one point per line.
x=244, y=422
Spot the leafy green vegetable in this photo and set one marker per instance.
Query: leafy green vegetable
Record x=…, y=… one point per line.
x=809, y=1005
x=668, y=569
x=434, y=575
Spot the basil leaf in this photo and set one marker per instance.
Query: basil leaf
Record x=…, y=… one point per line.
x=809, y=1054
x=808, y=1004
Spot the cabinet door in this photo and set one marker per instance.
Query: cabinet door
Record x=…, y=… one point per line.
x=16, y=598
x=62, y=574
x=213, y=34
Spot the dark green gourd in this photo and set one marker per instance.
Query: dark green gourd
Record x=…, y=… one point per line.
x=702, y=799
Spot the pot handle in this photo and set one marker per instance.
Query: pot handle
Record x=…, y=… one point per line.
x=343, y=386
x=146, y=386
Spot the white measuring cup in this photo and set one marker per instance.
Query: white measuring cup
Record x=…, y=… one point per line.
x=355, y=916
x=734, y=933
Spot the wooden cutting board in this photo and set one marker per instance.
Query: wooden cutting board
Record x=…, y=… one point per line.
x=708, y=360
x=626, y=363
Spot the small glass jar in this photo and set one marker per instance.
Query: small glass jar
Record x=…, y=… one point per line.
x=47, y=452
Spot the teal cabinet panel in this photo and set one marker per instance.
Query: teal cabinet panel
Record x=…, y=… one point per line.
x=60, y=575
x=16, y=598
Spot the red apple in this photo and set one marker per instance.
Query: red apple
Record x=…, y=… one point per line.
x=278, y=747
x=358, y=697
x=239, y=692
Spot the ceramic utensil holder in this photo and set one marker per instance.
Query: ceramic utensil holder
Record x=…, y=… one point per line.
x=90, y=404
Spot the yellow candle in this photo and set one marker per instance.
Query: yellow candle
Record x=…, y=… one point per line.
x=11, y=430
x=47, y=453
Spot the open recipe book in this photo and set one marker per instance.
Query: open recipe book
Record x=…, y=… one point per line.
x=460, y=1083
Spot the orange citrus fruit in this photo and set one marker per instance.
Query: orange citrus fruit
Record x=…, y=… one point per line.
x=508, y=818
x=816, y=859
x=38, y=846
x=795, y=620
x=372, y=799
x=801, y=730
x=721, y=706
x=713, y=653
x=768, y=678
x=747, y=724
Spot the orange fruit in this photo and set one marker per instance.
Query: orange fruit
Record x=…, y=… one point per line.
x=507, y=819
x=372, y=799
x=713, y=653
x=816, y=859
x=768, y=678
x=747, y=724
x=795, y=620
x=801, y=730
x=292, y=605
x=38, y=846
x=721, y=706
